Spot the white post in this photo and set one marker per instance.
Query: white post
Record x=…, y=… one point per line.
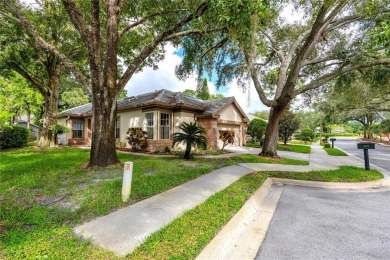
x=126, y=185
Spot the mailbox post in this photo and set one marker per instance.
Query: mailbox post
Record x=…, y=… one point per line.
x=332, y=139
x=126, y=184
x=366, y=146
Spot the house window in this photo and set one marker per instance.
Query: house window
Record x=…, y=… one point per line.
x=164, y=125
x=77, y=129
x=149, y=125
x=117, y=127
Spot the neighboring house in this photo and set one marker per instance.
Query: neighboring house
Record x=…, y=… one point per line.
x=160, y=113
x=34, y=129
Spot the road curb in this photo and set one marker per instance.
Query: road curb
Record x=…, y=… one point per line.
x=242, y=236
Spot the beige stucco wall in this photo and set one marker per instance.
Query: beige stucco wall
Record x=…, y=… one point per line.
x=230, y=113
x=180, y=117
x=129, y=119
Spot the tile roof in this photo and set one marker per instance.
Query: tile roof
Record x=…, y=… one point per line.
x=160, y=97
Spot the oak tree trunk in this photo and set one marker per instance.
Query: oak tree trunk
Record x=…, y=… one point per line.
x=271, y=133
x=49, y=117
x=103, y=150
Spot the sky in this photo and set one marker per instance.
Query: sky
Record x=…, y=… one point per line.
x=164, y=77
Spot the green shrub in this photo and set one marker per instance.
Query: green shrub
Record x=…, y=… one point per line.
x=326, y=145
x=120, y=144
x=307, y=134
x=256, y=129
x=14, y=136
x=137, y=138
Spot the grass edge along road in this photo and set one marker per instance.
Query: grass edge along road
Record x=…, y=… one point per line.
x=186, y=236
x=335, y=152
x=296, y=148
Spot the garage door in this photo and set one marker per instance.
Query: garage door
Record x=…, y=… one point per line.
x=237, y=134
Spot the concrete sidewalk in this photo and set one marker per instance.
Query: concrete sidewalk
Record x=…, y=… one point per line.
x=122, y=231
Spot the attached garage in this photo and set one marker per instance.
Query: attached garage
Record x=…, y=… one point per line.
x=237, y=134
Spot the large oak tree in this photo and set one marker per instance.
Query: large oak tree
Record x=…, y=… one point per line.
x=20, y=52
x=285, y=59
x=120, y=37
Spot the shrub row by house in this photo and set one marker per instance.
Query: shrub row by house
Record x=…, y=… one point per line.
x=14, y=136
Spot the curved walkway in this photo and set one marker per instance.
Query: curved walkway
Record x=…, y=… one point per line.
x=122, y=231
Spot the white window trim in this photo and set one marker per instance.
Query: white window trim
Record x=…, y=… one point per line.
x=167, y=125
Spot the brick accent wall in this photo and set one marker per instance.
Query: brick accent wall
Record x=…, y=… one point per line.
x=154, y=145
x=79, y=141
x=211, y=131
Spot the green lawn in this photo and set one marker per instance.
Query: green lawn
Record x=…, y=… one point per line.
x=344, y=174
x=186, y=236
x=335, y=152
x=288, y=147
x=301, y=142
x=44, y=194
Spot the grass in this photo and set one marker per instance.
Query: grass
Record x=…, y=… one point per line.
x=300, y=142
x=288, y=147
x=186, y=236
x=44, y=194
x=294, y=148
x=344, y=174
x=335, y=152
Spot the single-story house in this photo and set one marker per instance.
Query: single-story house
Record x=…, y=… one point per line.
x=160, y=113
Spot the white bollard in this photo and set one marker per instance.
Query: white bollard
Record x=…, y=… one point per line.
x=126, y=185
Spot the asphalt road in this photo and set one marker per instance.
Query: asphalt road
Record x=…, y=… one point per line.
x=312, y=223
x=380, y=156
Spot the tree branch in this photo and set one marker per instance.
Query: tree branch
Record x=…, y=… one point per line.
x=30, y=77
x=332, y=75
x=216, y=46
x=318, y=60
x=188, y=32
x=274, y=47
x=77, y=19
x=46, y=46
x=148, y=49
x=256, y=82
x=146, y=18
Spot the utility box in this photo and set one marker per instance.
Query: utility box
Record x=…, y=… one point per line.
x=366, y=145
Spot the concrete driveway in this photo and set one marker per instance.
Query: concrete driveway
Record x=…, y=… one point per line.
x=314, y=223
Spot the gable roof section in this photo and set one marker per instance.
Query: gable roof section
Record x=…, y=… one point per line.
x=164, y=98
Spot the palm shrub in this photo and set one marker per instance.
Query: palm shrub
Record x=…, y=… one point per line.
x=191, y=134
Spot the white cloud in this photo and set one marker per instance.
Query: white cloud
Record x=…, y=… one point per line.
x=164, y=77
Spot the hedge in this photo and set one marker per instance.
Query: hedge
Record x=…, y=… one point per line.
x=14, y=136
